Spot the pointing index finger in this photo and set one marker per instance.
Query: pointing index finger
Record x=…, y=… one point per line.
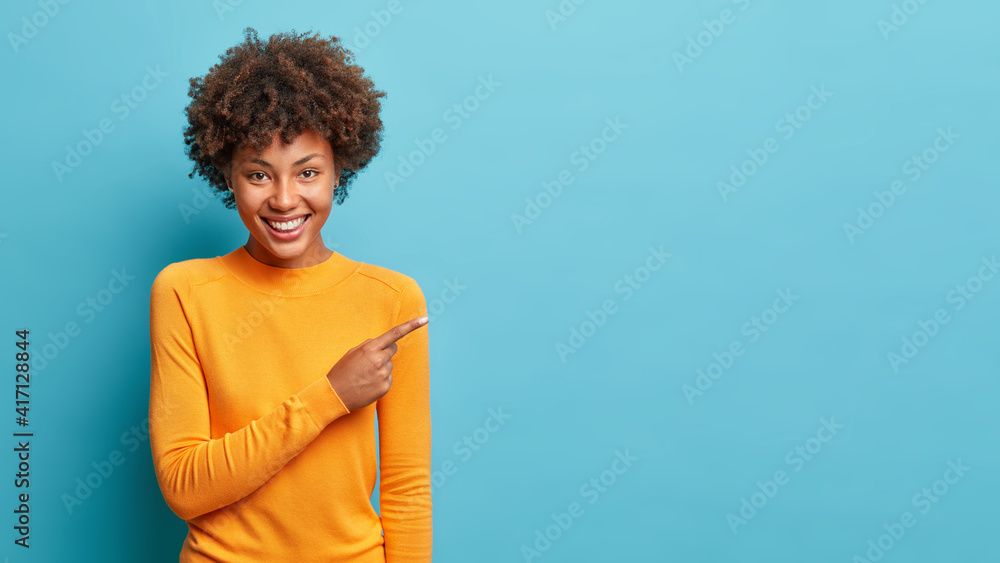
x=399, y=331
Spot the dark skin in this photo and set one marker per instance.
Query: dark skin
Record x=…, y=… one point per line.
x=364, y=374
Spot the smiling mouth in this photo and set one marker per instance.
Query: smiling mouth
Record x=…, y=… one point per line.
x=286, y=226
x=286, y=230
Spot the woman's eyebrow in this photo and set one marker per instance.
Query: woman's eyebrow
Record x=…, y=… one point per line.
x=302, y=160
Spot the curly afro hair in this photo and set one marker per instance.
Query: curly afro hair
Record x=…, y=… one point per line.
x=291, y=83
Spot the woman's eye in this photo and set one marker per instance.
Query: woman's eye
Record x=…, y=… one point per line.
x=311, y=172
x=253, y=175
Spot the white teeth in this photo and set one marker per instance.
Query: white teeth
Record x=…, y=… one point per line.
x=289, y=226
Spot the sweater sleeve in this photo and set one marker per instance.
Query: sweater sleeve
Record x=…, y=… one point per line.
x=198, y=474
x=404, y=431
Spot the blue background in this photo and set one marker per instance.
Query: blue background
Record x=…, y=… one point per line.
x=127, y=206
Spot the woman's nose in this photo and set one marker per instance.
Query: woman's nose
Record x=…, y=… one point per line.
x=284, y=196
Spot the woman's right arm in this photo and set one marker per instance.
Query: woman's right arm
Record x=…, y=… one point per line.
x=198, y=474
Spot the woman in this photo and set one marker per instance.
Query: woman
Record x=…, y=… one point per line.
x=270, y=364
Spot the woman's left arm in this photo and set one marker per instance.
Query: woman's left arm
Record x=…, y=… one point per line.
x=404, y=432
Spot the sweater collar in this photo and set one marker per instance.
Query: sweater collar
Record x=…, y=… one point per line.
x=288, y=281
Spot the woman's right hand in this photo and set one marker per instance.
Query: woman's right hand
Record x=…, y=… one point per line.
x=364, y=374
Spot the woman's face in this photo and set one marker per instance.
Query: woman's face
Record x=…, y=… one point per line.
x=291, y=184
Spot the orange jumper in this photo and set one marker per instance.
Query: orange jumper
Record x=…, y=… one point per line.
x=252, y=446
